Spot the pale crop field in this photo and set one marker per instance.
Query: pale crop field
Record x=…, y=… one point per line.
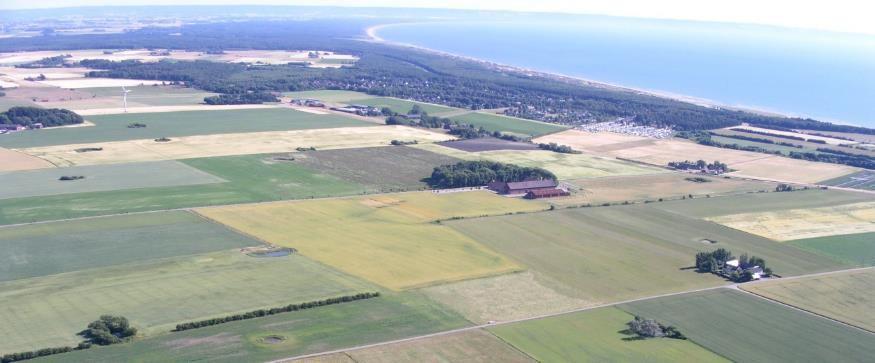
x=11, y=160
x=847, y=297
x=471, y=346
x=501, y=298
x=187, y=147
x=662, y=151
x=595, y=336
x=97, y=82
x=805, y=223
x=156, y=295
x=385, y=239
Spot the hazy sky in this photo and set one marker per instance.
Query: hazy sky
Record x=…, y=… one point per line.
x=836, y=15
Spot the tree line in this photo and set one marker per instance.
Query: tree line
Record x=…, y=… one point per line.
x=283, y=309
x=564, y=149
x=246, y=98
x=28, y=116
x=482, y=172
x=386, y=70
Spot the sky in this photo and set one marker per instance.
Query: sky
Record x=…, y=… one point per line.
x=853, y=16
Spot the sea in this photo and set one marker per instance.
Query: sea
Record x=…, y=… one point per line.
x=806, y=73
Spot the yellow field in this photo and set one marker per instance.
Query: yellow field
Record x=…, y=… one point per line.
x=11, y=160
x=386, y=239
x=848, y=297
x=805, y=223
x=565, y=166
x=503, y=298
x=662, y=151
x=231, y=144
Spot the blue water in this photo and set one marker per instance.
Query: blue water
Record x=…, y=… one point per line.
x=827, y=76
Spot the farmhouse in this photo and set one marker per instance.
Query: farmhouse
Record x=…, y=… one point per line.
x=522, y=187
x=732, y=266
x=546, y=193
x=12, y=127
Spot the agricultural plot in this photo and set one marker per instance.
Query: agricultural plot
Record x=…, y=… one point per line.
x=864, y=179
x=847, y=297
x=11, y=160
x=751, y=203
x=45, y=249
x=488, y=144
x=662, y=151
x=612, y=254
x=155, y=295
x=232, y=144
x=805, y=223
x=250, y=178
x=149, y=174
x=745, y=328
x=378, y=168
x=502, y=298
x=654, y=187
x=333, y=96
x=492, y=122
x=596, y=336
x=89, y=82
x=828, y=140
x=140, y=96
x=403, y=106
x=856, y=249
x=388, y=317
x=804, y=146
x=565, y=166
x=175, y=124
x=385, y=239
x=471, y=346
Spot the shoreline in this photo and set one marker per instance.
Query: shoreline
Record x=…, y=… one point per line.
x=372, y=36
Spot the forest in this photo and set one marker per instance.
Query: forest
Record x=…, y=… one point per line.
x=478, y=173
x=387, y=70
x=28, y=116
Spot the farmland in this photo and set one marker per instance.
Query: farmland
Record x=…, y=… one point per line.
x=232, y=144
x=860, y=180
x=384, y=239
x=805, y=223
x=402, y=106
x=11, y=160
x=185, y=123
x=758, y=202
x=596, y=336
x=102, y=178
x=58, y=247
x=472, y=346
x=488, y=144
x=857, y=249
x=744, y=328
x=334, y=96
x=140, y=96
x=369, y=166
x=653, y=187
x=615, y=253
x=391, y=316
x=250, y=178
x=157, y=294
x=492, y=122
x=846, y=297
x=501, y=298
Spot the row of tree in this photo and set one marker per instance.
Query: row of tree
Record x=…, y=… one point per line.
x=272, y=311
x=106, y=330
x=565, y=149
x=716, y=166
x=482, y=172
x=245, y=98
x=28, y=116
x=48, y=62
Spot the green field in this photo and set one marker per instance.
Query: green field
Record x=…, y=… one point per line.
x=7, y=103
x=492, y=122
x=608, y=254
x=745, y=328
x=847, y=297
x=151, y=174
x=388, y=317
x=470, y=346
x=146, y=96
x=761, y=202
x=855, y=249
x=330, y=95
x=251, y=178
x=157, y=294
x=403, y=106
x=369, y=166
x=51, y=248
x=182, y=123
x=596, y=336
x=860, y=180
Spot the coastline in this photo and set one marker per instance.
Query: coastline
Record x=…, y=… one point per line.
x=372, y=36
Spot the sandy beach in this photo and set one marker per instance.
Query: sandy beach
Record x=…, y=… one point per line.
x=373, y=36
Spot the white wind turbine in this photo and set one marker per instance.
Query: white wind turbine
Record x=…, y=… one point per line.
x=125, y=97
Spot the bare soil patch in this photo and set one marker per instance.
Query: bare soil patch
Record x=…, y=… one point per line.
x=11, y=160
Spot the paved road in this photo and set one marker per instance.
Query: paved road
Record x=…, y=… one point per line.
x=475, y=327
